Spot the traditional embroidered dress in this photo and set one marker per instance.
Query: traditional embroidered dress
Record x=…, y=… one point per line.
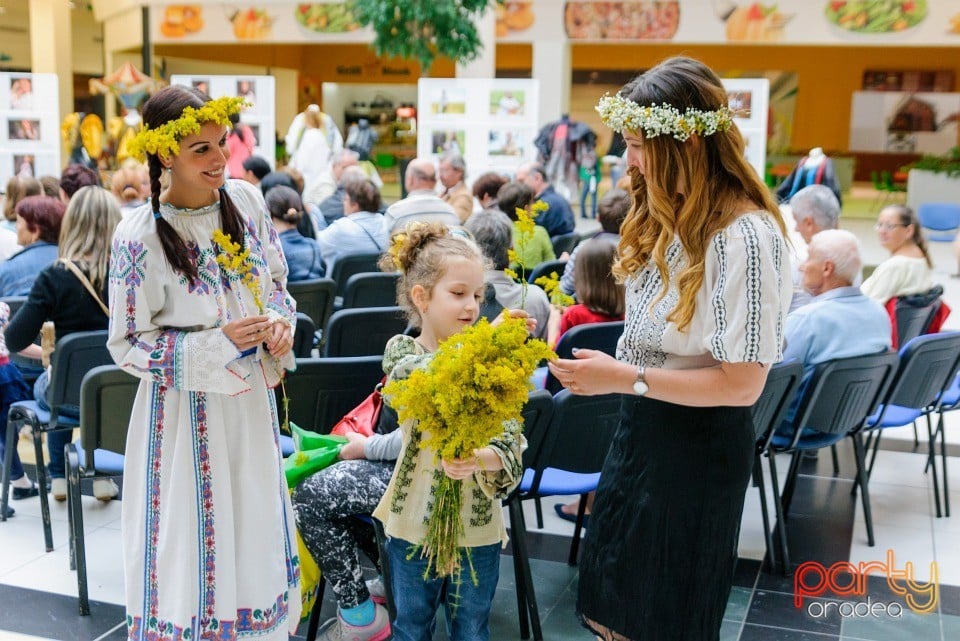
x=208, y=532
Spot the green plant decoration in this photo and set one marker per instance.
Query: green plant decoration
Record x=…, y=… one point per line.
x=424, y=29
x=948, y=164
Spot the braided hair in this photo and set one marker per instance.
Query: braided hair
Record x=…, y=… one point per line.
x=166, y=105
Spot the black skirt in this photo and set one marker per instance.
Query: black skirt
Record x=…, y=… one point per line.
x=659, y=555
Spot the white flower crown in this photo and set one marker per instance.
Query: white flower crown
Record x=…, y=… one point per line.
x=621, y=114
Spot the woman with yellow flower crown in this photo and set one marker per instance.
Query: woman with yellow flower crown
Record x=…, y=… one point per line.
x=704, y=262
x=208, y=532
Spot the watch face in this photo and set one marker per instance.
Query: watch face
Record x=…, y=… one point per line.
x=640, y=388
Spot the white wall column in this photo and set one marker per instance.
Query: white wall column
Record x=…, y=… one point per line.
x=552, y=67
x=51, y=46
x=485, y=65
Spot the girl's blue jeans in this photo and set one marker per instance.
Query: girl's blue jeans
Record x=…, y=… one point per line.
x=417, y=599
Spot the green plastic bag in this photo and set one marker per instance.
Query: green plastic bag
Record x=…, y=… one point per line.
x=314, y=453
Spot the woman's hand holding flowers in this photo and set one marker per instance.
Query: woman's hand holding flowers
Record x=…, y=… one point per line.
x=249, y=331
x=280, y=339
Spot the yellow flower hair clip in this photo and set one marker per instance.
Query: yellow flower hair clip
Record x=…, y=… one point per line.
x=398, y=242
x=165, y=139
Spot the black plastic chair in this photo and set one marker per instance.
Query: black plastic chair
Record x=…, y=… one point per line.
x=75, y=355
x=314, y=298
x=373, y=289
x=545, y=268
x=927, y=369
x=564, y=243
x=323, y=390
x=567, y=463
x=363, y=331
x=915, y=313
x=107, y=394
x=836, y=403
x=537, y=414
x=304, y=336
x=347, y=266
x=563, y=462
x=599, y=336
x=768, y=412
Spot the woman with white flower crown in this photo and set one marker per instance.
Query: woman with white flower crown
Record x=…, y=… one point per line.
x=704, y=262
x=208, y=532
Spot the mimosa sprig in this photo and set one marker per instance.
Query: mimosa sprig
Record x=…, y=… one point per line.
x=234, y=259
x=551, y=285
x=472, y=391
x=525, y=226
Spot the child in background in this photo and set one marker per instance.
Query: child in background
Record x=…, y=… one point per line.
x=441, y=288
x=601, y=298
x=12, y=389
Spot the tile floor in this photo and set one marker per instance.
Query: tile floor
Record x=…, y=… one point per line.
x=38, y=590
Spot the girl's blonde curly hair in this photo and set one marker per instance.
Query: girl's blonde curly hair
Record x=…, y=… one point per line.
x=420, y=253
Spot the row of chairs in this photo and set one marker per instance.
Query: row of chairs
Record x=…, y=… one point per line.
x=318, y=298
x=854, y=398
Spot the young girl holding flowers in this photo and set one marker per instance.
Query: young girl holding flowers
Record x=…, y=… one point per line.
x=207, y=326
x=441, y=288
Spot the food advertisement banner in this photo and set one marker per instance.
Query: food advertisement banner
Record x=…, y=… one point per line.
x=29, y=125
x=795, y=22
x=263, y=22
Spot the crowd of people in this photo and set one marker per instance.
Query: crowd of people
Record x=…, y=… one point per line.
x=713, y=278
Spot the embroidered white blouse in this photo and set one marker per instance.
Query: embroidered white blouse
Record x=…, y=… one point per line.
x=740, y=308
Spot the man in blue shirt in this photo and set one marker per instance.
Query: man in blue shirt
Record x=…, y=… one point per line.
x=558, y=218
x=839, y=322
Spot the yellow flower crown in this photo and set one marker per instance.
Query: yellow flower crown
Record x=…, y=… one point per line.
x=622, y=114
x=165, y=139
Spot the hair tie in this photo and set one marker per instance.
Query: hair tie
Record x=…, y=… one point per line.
x=156, y=214
x=292, y=211
x=222, y=187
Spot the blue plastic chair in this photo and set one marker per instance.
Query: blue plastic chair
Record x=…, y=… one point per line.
x=568, y=462
x=835, y=404
x=75, y=355
x=943, y=218
x=928, y=366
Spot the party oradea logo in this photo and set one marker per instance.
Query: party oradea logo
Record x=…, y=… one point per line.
x=815, y=585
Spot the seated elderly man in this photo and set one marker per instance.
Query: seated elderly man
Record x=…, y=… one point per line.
x=421, y=203
x=493, y=232
x=814, y=209
x=839, y=321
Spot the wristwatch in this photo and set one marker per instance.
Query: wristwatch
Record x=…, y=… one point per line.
x=640, y=386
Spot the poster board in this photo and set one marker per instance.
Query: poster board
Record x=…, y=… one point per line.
x=29, y=125
x=260, y=91
x=491, y=122
x=749, y=98
x=904, y=122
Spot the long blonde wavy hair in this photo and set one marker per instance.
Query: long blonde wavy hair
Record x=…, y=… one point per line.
x=711, y=170
x=87, y=231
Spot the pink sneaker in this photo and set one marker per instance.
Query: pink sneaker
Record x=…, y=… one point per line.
x=339, y=630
